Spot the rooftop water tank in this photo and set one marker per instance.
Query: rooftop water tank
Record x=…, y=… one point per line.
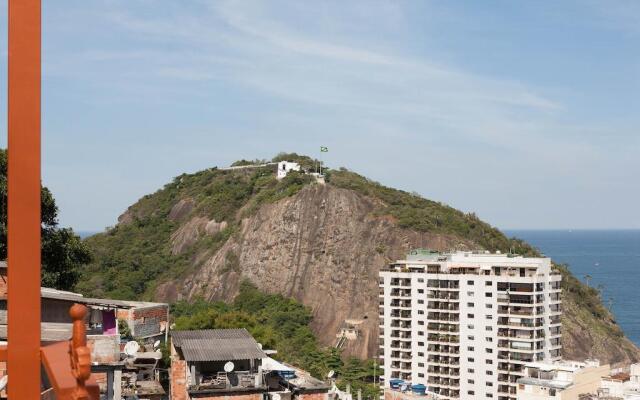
x=396, y=383
x=419, y=389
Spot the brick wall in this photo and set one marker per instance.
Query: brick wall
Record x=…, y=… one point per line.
x=313, y=396
x=232, y=396
x=145, y=321
x=179, y=380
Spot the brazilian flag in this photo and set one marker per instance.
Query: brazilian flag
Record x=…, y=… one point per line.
x=324, y=149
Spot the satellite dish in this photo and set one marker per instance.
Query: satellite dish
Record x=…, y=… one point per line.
x=131, y=348
x=3, y=382
x=156, y=344
x=229, y=366
x=331, y=374
x=275, y=396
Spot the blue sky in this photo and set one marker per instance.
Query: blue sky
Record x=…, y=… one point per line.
x=525, y=112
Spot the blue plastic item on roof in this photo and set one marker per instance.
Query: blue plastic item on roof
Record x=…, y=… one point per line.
x=396, y=383
x=287, y=374
x=419, y=389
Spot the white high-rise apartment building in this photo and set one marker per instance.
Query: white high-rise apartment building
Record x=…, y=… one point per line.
x=464, y=324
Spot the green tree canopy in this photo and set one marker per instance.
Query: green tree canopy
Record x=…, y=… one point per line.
x=63, y=253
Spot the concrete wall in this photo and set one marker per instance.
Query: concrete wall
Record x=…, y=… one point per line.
x=104, y=348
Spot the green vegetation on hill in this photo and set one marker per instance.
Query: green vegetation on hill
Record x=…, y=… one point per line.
x=415, y=212
x=277, y=323
x=134, y=256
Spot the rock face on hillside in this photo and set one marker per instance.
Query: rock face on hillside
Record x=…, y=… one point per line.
x=324, y=247
x=321, y=247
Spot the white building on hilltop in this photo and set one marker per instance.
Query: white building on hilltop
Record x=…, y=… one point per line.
x=563, y=380
x=464, y=324
x=284, y=167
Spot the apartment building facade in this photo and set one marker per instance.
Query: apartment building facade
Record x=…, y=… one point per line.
x=464, y=324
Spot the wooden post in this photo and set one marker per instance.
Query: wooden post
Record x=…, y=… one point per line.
x=23, y=358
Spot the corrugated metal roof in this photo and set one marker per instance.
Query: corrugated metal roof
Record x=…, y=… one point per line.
x=217, y=345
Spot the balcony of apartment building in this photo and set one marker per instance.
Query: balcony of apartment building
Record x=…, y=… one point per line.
x=405, y=314
x=518, y=310
x=439, y=327
x=443, y=316
x=555, y=309
x=443, y=284
x=506, y=389
x=555, y=353
x=443, y=295
x=518, y=322
x=403, y=282
x=443, y=305
x=555, y=297
x=515, y=299
x=443, y=338
x=515, y=356
x=555, y=343
x=515, y=272
x=401, y=324
x=555, y=320
x=555, y=331
x=515, y=287
x=400, y=334
x=511, y=368
x=400, y=292
x=397, y=344
x=557, y=285
x=444, y=349
x=397, y=303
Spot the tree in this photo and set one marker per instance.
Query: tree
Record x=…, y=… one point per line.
x=63, y=253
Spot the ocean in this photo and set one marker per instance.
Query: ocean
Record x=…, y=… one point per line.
x=610, y=257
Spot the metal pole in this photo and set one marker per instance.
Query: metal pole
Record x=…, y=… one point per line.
x=23, y=361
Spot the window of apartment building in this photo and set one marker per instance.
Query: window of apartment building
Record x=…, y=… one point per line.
x=421, y=344
x=470, y=348
x=470, y=370
x=470, y=337
x=420, y=333
x=420, y=354
x=470, y=304
x=420, y=322
x=420, y=290
x=470, y=294
x=488, y=294
x=470, y=326
x=488, y=283
x=420, y=375
x=420, y=311
x=489, y=395
x=552, y=392
x=469, y=315
x=420, y=364
x=420, y=280
x=489, y=305
x=489, y=383
x=420, y=301
x=488, y=328
x=471, y=392
x=470, y=283
x=489, y=372
x=489, y=350
x=489, y=316
x=489, y=339
x=470, y=359
x=471, y=381
x=489, y=361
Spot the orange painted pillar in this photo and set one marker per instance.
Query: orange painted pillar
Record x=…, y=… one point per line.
x=23, y=355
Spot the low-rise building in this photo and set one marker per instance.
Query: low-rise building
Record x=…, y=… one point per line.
x=622, y=385
x=229, y=364
x=117, y=375
x=561, y=380
x=284, y=167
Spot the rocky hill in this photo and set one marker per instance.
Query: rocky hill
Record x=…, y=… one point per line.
x=322, y=244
